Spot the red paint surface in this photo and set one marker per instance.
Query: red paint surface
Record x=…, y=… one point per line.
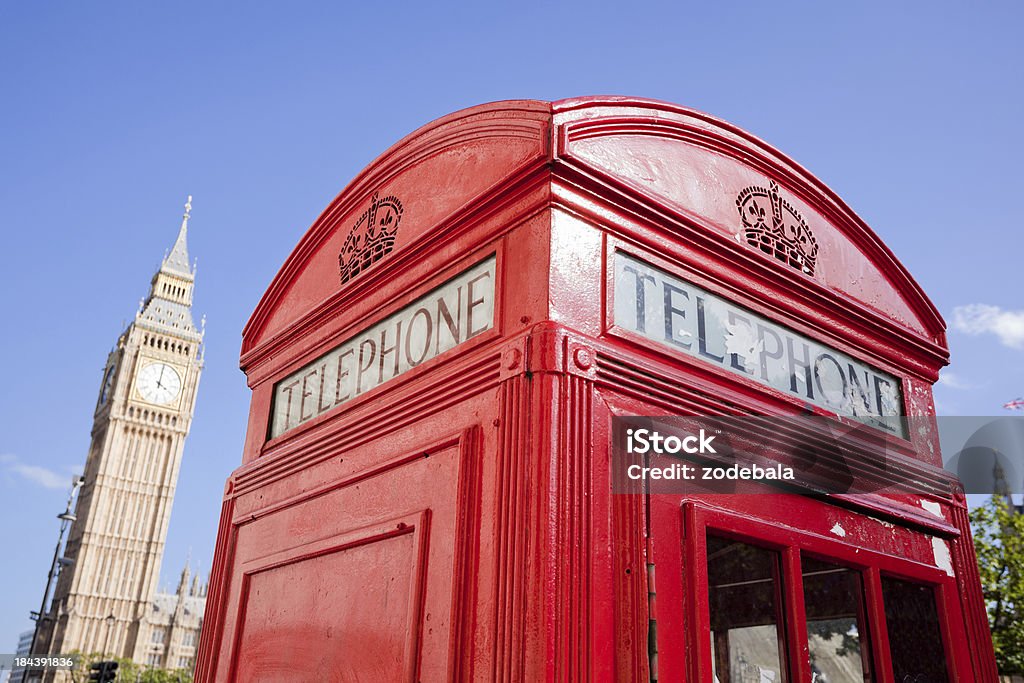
x=457, y=523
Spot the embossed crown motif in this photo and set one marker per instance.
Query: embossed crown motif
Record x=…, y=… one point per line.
x=775, y=227
x=371, y=238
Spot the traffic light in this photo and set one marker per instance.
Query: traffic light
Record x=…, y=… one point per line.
x=102, y=672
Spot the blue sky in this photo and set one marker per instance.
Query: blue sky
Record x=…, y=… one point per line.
x=111, y=113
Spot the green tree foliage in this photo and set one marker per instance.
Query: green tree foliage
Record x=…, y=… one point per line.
x=128, y=671
x=999, y=544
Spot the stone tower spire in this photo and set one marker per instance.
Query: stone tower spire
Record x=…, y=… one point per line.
x=176, y=260
x=183, y=583
x=1000, y=486
x=168, y=307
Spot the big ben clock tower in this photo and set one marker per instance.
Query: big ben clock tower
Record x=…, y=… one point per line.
x=143, y=413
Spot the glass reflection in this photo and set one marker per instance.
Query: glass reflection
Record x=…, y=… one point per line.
x=915, y=641
x=745, y=606
x=836, y=624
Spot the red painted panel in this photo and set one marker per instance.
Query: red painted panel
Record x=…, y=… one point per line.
x=362, y=556
x=348, y=615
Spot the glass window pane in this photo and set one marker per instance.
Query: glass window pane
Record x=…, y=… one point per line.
x=745, y=606
x=836, y=625
x=915, y=641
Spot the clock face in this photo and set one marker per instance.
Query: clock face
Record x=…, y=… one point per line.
x=158, y=383
x=108, y=383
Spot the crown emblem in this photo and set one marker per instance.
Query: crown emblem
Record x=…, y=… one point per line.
x=774, y=226
x=371, y=238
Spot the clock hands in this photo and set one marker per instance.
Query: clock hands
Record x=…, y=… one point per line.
x=161, y=383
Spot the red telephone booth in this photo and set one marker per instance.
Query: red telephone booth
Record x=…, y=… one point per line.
x=427, y=490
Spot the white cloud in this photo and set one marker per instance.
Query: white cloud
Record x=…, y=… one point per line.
x=1008, y=326
x=952, y=381
x=34, y=473
x=42, y=476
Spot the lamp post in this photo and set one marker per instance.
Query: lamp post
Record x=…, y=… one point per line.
x=66, y=519
x=110, y=619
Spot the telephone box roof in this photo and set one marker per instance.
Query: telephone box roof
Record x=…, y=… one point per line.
x=682, y=163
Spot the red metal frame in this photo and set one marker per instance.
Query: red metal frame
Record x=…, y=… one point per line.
x=749, y=522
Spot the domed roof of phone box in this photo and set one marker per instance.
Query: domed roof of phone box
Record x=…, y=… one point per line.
x=689, y=173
